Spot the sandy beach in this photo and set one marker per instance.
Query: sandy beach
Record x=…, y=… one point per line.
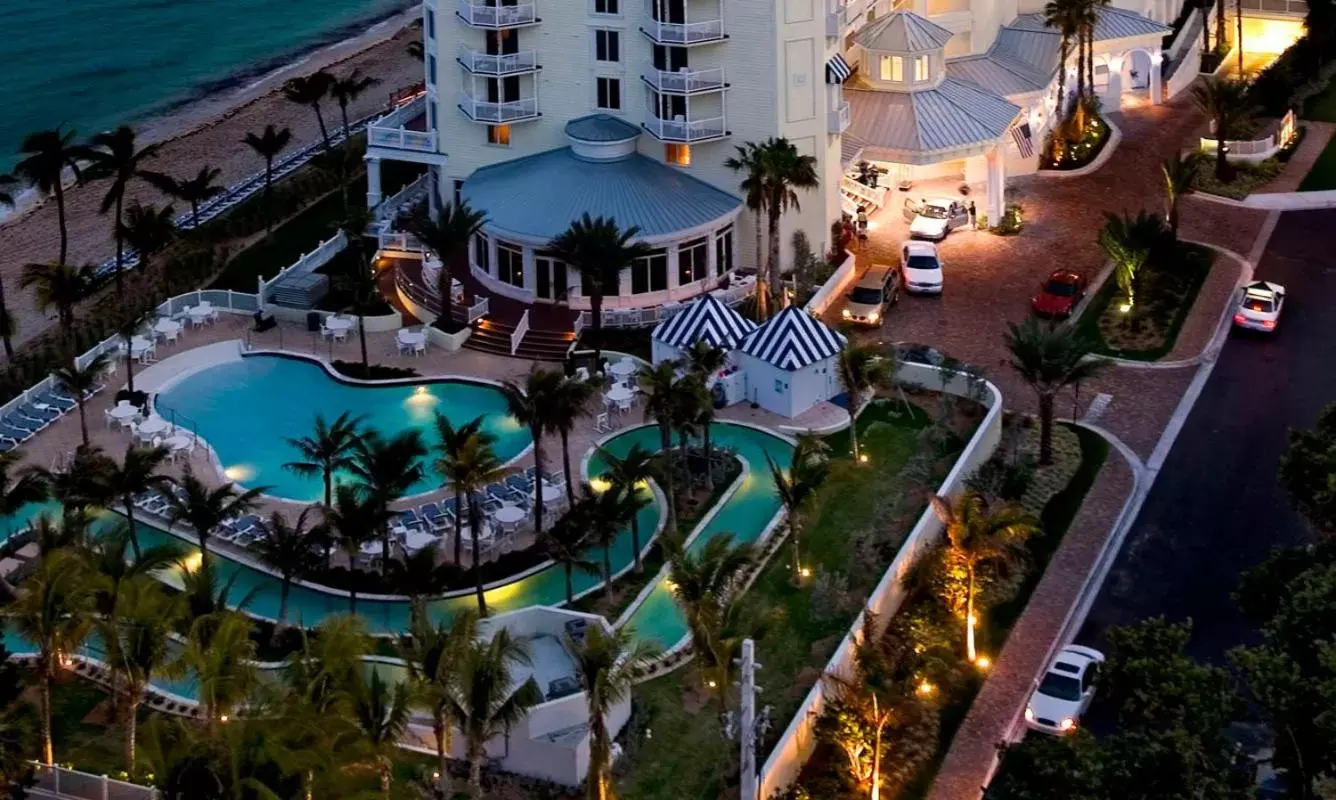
x=208, y=132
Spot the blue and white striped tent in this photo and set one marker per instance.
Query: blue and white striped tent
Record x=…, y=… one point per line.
x=703, y=319
x=793, y=339
x=790, y=362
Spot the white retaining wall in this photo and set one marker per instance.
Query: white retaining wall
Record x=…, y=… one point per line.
x=834, y=286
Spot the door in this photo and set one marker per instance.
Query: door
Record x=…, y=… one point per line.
x=550, y=280
x=911, y=209
x=960, y=216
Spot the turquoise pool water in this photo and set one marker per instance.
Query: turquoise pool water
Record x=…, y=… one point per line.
x=247, y=409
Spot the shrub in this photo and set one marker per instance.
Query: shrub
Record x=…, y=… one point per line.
x=373, y=372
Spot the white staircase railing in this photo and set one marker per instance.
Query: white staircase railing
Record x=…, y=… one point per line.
x=520, y=329
x=61, y=782
x=477, y=311
x=876, y=197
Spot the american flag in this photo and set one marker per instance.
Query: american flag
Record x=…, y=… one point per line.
x=1024, y=143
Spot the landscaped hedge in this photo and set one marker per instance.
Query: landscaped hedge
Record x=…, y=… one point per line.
x=1302, y=71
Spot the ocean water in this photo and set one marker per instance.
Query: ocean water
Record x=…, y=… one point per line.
x=95, y=64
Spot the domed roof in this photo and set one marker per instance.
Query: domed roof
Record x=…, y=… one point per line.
x=903, y=32
x=601, y=128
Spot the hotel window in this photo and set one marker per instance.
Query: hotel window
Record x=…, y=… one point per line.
x=677, y=154
x=723, y=250
x=605, y=7
x=431, y=69
x=693, y=261
x=650, y=274
x=510, y=263
x=498, y=134
x=609, y=94
x=892, y=68
x=431, y=24
x=920, y=69
x=607, y=46
x=481, y=256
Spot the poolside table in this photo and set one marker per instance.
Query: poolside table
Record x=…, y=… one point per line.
x=167, y=327
x=623, y=369
x=509, y=515
x=338, y=324
x=153, y=425
x=551, y=494
x=177, y=443
x=123, y=411
x=417, y=540
x=139, y=345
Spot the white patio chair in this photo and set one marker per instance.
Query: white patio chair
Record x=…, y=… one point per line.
x=341, y=335
x=624, y=406
x=172, y=336
x=420, y=348
x=602, y=422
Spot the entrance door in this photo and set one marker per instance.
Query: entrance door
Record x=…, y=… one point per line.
x=551, y=280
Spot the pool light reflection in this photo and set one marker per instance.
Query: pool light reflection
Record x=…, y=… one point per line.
x=239, y=472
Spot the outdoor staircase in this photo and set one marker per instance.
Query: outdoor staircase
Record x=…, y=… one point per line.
x=493, y=336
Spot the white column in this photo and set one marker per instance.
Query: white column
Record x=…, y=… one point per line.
x=1156, y=59
x=747, y=720
x=433, y=190
x=373, y=195
x=530, y=271
x=997, y=177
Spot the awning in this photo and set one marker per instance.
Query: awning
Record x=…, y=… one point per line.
x=838, y=70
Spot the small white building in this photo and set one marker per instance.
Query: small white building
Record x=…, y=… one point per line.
x=790, y=362
x=703, y=319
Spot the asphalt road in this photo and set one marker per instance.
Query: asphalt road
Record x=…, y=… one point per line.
x=1216, y=507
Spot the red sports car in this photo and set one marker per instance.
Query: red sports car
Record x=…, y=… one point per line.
x=1059, y=294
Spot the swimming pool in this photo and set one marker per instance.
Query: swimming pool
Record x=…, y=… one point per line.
x=246, y=409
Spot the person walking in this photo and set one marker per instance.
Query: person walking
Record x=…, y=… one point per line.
x=974, y=217
x=862, y=226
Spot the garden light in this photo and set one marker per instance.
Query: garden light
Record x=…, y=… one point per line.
x=1124, y=307
x=862, y=458
x=926, y=689
x=983, y=662
x=806, y=572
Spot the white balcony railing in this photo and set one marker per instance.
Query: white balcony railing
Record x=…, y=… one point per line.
x=481, y=16
x=499, y=113
x=684, y=32
x=508, y=64
x=839, y=118
x=684, y=130
x=686, y=81
x=392, y=129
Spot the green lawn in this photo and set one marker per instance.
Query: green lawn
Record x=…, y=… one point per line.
x=684, y=756
x=1323, y=174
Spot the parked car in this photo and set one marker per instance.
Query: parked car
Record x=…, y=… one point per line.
x=872, y=295
x=1059, y=294
x=922, y=268
x=1065, y=691
x=1259, y=308
x=934, y=219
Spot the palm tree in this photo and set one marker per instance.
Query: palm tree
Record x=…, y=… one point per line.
x=347, y=89
x=783, y=170
x=434, y=655
x=57, y=285
x=139, y=471
x=478, y=466
x=1226, y=103
x=115, y=157
x=977, y=534
x=360, y=279
x=607, y=512
x=659, y=386
x=449, y=235
x=698, y=409
x=451, y=465
x=1049, y=359
x=194, y=191
x=268, y=145
x=421, y=575
x=287, y=548
x=570, y=399
x=607, y=664
x=482, y=701
x=599, y=251
x=48, y=153
x=52, y=612
x=128, y=328
x=631, y=475
x=149, y=230
x=219, y=654
x=748, y=161
x=704, y=582
x=328, y=450
x=21, y=487
x=309, y=90
x=1128, y=241
x=353, y=520
x=1061, y=15
x=565, y=542
x=381, y=714
x=80, y=383
x=796, y=487
x=386, y=469
x=1179, y=171
x=203, y=509
x=531, y=404
x=704, y=359
x=141, y=639
x=114, y=569
x=861, y=368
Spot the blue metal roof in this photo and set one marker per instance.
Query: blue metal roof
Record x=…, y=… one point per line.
x=1112, y=23
x=540, y=195
x=956, y=115
x=601, y=128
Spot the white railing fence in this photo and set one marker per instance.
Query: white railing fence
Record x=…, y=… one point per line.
x=520, y=330
x=478, y=310
x=1255, y=149
x=404, y=199
x=876, y=197
x=834, y=286
x=62, y=782
x=309, y=262
x=402, y=242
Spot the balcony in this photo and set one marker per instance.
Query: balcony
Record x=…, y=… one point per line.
x=684, y=33
x=685, y=131
x=837, y=21
x=497, y=17
x=404, y=128
x=508, y=64
x=839, y=118
x=498, y=113
x=686, y=81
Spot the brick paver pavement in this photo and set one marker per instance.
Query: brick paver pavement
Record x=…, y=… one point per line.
x=1315, y=141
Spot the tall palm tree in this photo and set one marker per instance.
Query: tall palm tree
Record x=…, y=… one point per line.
x=977, y=534
x=1127, y=241
x=658, y=384
x=861, y=368
x=149, y=230
x=607, y=665
x=80, y=382
x=1179, y=170
x=347, y=89
x=1238, y=34
x=52, y=612
x=360, y=278
x=1226, y=103
x=386, y=469
x=268, y=145
x=690, y=401
x=531, y=403
x=381, y=713
x=565, y=542
x=631, y=475
x=705, y=581
x=203, y=509
x=328, y=450
x=483, y=702
x=310, y=90
x=434, y=655
x=1062, y=16
x=116, y=158
x=748, y=161
x=783, y=171
x=114, y=569
x=454, y=452
x=57, y=285
x=192, y=191
x=797, y=486
x=287, y=548
x=449, y=235
x=139, y=471
x=1049, y=359
x=219, y=655
x=607, y=512
x=353, y=520
x=478, y=467
x=141, y=639
x=698, y=409
x=19, y=487
x=46, y=155
x=128, y=328
x=704, y=359
x=420, y=576
x=571, y=399
x=599, y=250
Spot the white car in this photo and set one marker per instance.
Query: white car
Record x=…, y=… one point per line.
x=1259, y=306
x=934, y=219
x=921, y=268
x=1066, y=690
